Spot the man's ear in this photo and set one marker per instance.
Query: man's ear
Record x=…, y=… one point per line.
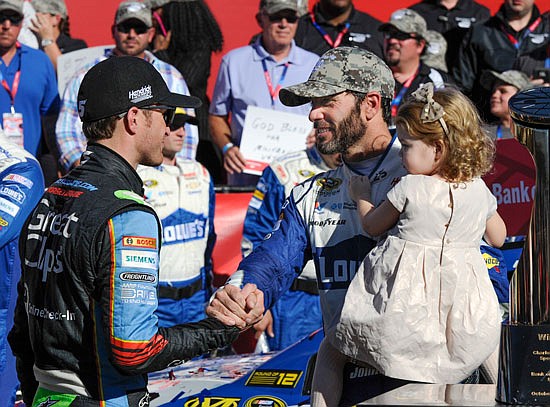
x=259, y=19
x=370, y=105
x=131, y=120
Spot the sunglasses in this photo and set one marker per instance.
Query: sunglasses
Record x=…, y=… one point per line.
x=14, y=19
x=399, y=35
x=126, y=27
x=168, y=112
x=277, y=18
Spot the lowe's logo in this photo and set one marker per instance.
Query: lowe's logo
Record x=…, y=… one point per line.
x=183, y=226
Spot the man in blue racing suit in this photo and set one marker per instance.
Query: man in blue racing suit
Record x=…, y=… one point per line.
x=21, y=186
x=350, y=90
x=298, y=312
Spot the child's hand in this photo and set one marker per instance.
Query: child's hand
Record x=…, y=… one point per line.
x=359, y=188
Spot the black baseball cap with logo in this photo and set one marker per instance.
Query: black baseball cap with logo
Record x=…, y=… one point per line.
x=115, y=85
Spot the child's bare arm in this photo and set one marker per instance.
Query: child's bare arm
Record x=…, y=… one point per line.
x=495, y=231
x=380, y=219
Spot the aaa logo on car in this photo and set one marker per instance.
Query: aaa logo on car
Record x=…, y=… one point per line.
x=329, y=184
x=265, y=401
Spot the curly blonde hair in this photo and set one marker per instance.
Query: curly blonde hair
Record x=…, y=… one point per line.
x=468, y=150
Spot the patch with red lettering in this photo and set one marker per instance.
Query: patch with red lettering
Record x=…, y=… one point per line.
x=139, y=241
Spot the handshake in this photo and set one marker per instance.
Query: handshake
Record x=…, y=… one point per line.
x=238, y=307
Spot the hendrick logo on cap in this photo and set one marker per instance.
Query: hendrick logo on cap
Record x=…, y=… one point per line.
x=144, y=93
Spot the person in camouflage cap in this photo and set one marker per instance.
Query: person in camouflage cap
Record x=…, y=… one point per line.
x=342, y=69
x=350, y=90
x=503, y=86
x=436, y=49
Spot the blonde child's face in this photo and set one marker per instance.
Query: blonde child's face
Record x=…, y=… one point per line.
x=417, y=156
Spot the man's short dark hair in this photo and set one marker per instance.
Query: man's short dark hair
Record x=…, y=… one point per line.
x=101, y=129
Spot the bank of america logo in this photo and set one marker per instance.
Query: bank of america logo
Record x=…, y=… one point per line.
x=144, y=93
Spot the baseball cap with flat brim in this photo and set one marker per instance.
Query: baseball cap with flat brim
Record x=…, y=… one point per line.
x=342, y=69
x=13, y=5
x=117, y=84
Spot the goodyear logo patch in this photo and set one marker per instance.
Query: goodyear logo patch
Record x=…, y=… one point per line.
x=139, y=241
x=329, y=184
x=139, y=259
x=263, y=401
x=213, y=402
x=274, y=378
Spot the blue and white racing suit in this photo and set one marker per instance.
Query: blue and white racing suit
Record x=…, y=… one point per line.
x=319, y=221
x=298, y=311
x=21, y=186
x=183, y=198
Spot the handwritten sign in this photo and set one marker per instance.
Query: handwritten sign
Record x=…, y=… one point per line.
x=71, y=62
x=267, y=134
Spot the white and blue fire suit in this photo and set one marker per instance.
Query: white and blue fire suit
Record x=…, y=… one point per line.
x=298, y=311
x=183, y=198
x=21, y=186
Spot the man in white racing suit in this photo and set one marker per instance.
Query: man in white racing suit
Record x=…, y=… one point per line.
x=182, y=194
x=298, y=311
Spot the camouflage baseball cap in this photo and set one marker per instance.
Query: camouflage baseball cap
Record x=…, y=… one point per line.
x=407, y=21
x=511, y=77
x=339, y=70
x=14, y=5
x=54, y=7
x=138, y=10
x=273, y=6
x=436, y=49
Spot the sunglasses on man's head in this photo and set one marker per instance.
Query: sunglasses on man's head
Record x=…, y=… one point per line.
x=278, y=17
x=399, y=35
x=14, y=19
x=126, y=27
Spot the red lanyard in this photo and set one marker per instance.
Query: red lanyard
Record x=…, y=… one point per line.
x=397, y=99
x=528, y=31
x=339, y=38
x=274, y=92
x=13, y=91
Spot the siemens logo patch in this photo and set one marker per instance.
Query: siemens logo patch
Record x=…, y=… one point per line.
x=139, y=259
x=183, y=226
x=144, y=277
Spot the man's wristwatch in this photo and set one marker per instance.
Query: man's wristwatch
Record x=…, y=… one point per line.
x=45, y=42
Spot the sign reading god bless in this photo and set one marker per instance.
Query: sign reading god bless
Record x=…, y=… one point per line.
x=268, y=134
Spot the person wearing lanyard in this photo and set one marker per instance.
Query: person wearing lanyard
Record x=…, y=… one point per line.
x=29, y=86
x=252, y=76
x=404, y=44
x=332, y=23
x=503, y=86
x=517, y=29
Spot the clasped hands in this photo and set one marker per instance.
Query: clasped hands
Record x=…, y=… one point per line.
x=238, y=307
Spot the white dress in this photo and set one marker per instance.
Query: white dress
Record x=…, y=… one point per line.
x=421, y=307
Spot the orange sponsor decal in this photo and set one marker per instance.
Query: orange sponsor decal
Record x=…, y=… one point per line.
x=139, y=241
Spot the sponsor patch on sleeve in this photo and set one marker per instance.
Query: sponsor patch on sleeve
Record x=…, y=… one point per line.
x=8, y=207
x=19, y=179
x=139, y=259
x=142, y=242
